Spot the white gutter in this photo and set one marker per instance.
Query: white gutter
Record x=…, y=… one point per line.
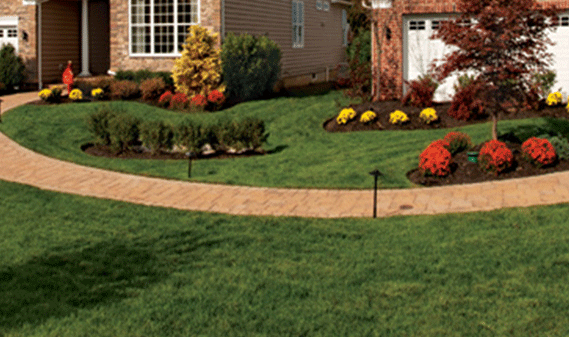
x=342, y=2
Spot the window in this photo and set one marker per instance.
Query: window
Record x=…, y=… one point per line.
x=345, y=28
x=417, y=25
x=435, y=24
x=564, y=21
x=326, y=6
x=159, y=27
x=297, y=24
x=319, y=5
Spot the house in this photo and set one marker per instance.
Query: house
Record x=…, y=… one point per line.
x=403, y=51
x=107, y=35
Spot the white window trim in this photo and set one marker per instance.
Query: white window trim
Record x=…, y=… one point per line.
x=11, y=21
x=151, y=24
x=298, y=44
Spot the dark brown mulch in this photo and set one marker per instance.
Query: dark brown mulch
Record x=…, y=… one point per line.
x=106, y=151
x=465, y=172
x=384, y=108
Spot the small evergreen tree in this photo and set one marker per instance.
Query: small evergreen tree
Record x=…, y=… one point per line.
x=11, y=67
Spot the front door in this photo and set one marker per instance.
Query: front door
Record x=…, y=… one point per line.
x=99, y=38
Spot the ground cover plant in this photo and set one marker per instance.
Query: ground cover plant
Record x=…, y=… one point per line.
x=300, y=152
x=75, y=266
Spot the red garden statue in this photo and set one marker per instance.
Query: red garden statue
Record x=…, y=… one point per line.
x=68, y=76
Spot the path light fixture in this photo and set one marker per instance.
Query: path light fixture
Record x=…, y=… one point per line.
x=375, y=173
x=0, y=111
x=190, y=155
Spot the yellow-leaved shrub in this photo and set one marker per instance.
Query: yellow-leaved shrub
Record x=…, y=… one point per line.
x=198, y=70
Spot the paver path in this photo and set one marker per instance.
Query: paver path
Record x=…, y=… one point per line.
x=18, y=164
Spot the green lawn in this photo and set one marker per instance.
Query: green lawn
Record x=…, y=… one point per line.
x=75, y=266
x=304, y=155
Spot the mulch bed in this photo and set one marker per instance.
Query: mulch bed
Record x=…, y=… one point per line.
x=384, y=108
x=462, y=170
x=106, y=151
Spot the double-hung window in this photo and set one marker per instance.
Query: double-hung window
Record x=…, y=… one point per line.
x=159, y=27
x=297, y=24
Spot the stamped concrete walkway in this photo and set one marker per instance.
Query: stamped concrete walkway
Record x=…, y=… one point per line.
x=18, y=164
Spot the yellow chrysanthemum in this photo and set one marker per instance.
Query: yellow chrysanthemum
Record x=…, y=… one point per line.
x=398, y=117
x=97, y=93
x=368, y=116
x=428, y=115
x=346, y=115
x=45, y=94
x=554, y=98
x=76, y=95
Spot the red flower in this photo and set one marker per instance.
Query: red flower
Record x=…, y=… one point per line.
x=539, y=151
x=216, y=97
x=179, y=101
x=436, y=159
x=165, y=98
x=495, y=156
x=199, y=100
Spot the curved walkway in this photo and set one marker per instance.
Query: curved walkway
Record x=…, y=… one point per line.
x=18, y=164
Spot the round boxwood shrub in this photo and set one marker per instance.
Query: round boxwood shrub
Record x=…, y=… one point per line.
x=251, y=66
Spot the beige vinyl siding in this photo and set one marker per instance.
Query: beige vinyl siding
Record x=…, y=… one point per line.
x=60, y=38
x=322, y=32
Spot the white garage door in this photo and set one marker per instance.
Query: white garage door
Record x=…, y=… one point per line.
x=9, y=31
x=419, y=52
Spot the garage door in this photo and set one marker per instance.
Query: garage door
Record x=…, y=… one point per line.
x=9, y=31
x=419, y=52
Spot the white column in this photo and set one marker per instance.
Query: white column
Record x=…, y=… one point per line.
x=85, y=38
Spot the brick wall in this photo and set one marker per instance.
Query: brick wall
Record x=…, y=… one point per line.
x=210, y=17
x=26, y=23
x=387, y=58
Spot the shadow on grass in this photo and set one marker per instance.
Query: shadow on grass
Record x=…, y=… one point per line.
x=58, y=284
x=553, y=127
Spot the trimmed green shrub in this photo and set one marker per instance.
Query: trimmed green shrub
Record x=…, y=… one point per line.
x=98, y=124
x=251, y=66
x=194, y=136
x=140, y=76
x=253, y=132
x=152, y=88
x=12, y=69
x=124, y=89
x=560, y=144
x=124, y=131
x=157, y=136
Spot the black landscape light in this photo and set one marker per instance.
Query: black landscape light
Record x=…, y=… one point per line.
x=190, y=156
x=375, y=173
x=0, y=111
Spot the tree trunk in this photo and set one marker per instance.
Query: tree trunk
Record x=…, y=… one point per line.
x=495, y=126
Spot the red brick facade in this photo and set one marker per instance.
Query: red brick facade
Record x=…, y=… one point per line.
x=387, y=53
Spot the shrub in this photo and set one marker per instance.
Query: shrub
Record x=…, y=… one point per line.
x=346, y=115
x=56, y=92
x=156, y=135
x=543, y=82
x=368, y=116
x=198, y=101
x=554, y=98
x=428, y=115
x=105, y=85
x=140, y=76
x=466, y=103
x=179, y=101
x=216, y=98
x=539, y=151
x=151, y=88
x=398, y=117
x=359, y=61
x=495, y=157
x=98, y=124
x=165, y=99
x=252, y=133
x=198, y=70
x=124, y=131
x=85, y=86
x=436, y=159
x=458, y=141
x=251, y=65
x=12, y=69
x=560, y=145
x=194, y=136
x=76, y=95
x=421, y=92
x=124, y=89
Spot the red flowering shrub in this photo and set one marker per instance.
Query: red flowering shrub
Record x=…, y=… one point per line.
x=466, y=103
x=495, y=156
x=435, y=159
x=458, y=141
x=165, y=98
x=216, y=97
x=179, y=101
x=199, y=101
x=421, y=92
x=539, y=151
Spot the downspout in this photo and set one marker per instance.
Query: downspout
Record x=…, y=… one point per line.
x=222, y=24
x=39, y=52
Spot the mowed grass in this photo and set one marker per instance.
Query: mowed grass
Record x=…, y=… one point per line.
x=75, y=266
x=302, y=153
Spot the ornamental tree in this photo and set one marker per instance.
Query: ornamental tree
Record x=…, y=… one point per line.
x=504, y=43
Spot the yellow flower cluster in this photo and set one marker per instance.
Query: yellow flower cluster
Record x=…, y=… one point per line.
x=45, y=94
x=76, y=95
x=428, y=115
x=398, y=117
x=554, y=98
x=567, y=107
x=97, y=93
x=368, y=116
x=345, y=116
